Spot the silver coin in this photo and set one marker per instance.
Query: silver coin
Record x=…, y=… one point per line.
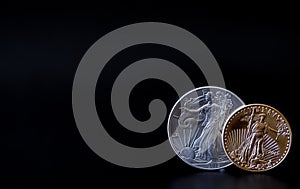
x=195, y=126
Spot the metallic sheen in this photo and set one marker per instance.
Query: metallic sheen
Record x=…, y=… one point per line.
x=195, y=126
x=257, y=137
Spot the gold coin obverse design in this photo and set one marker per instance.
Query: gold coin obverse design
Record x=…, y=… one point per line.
x=256, y=137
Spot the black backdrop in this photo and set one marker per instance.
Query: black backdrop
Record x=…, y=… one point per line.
x=256, y=49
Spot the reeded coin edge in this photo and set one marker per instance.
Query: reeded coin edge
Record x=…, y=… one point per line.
x=234, y=113
x=170, y=114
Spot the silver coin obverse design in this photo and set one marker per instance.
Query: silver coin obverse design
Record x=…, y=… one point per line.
x=195, y=126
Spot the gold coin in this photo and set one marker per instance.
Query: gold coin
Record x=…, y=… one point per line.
x=256, y=137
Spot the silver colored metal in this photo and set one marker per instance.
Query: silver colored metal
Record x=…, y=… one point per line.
x=195, y=126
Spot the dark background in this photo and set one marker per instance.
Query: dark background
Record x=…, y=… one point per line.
x=41, y=47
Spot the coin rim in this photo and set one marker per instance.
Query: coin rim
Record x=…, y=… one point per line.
x=246, y=106
x=170, y=114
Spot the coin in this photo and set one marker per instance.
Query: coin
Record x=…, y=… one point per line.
x=195, y=126
x=256, y=137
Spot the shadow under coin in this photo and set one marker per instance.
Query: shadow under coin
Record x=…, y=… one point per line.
x=221, y=180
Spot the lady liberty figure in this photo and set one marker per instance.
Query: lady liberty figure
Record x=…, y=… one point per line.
x=252, y=151
x=209, y=143
x=211, y=116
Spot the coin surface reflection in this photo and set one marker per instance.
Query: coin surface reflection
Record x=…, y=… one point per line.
x=195, y=126
x=257, y=137
x=218, y=180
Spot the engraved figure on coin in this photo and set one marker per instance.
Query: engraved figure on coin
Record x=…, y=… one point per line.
x=209, y=143
x=252, y=151
x=256, y=137
x=206, y=141
x=195, y=126
x=206, y=122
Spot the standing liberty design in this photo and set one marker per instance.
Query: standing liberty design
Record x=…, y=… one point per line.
x=200, y=128
x=256, y=148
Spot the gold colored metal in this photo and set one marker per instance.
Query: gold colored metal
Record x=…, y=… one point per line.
x=256, y=137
